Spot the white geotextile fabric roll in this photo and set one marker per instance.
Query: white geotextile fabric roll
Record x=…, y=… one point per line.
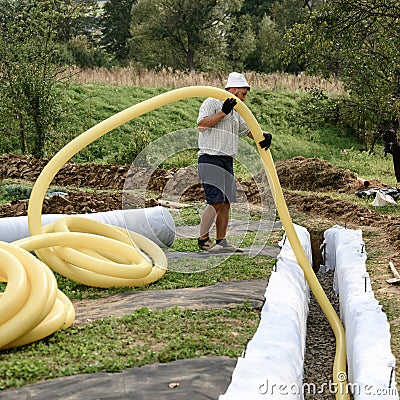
x=272, y=365
x=155, y=223
x=369, y=357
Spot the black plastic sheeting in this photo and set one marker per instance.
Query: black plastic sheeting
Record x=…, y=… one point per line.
x=221, y=295
x=192, y=379
x=394, y=192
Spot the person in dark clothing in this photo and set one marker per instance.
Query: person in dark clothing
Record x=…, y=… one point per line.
x=392, y=147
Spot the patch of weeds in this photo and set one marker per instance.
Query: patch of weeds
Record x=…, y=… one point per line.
x=246, y=214
x=185, y=245
x=19, y=191
x=15, y=192
x=233, y=268
x=77, y=291
x=188, y=216
x=245, y=240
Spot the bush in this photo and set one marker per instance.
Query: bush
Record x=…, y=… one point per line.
x=318, y=109
x=15, y=192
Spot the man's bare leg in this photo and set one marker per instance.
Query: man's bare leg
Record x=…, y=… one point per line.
x=221, y=223
x=207, y=220
x=218, y=212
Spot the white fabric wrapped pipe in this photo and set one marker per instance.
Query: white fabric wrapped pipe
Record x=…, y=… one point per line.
x=370, y=360
x=272, y=365
x=155, y=223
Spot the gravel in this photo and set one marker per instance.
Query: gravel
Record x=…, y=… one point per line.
x=320, y=346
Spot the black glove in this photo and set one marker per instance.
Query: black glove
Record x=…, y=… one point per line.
x=266, y=143
x=228, y=105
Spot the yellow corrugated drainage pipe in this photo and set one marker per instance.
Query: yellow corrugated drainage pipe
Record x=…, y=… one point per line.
x=31, y=306
x=63, y=264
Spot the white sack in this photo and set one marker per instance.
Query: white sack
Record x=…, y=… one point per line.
x=382, y=200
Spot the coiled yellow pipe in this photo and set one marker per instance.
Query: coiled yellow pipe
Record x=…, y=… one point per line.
x=50, y=254
x=106, y=256
x=31, y=307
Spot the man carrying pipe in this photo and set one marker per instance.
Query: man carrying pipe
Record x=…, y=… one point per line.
x=219, y=128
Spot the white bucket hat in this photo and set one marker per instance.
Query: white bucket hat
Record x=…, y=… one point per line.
x=236, y=80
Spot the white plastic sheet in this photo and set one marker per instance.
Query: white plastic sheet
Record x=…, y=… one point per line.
x=369, y=357
x=382, y=200
x=155, y=223
x=272, y=365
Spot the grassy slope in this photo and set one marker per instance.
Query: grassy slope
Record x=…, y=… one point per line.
x=277, y=112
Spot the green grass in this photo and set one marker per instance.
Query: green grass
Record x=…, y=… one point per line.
x=277, y=112
x=247, y=240
x=143, y=337
x=365, y=165
x=90, y=104
x=234, y=268
x=187, y=216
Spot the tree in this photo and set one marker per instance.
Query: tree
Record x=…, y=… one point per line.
x=181, y=34
x=115, y=21
x=269, y=45
x=241, y=42
x=75, y=18
x=29, y=92
x=360, y=42
x=271, y=19
x=256, y=9
x=79, y=34
x=286, y=13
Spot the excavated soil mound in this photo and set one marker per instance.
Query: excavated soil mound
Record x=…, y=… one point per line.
x=314, y=174
x=72, y=174
x=299, y=173
x=74, y=203
x=336, y=210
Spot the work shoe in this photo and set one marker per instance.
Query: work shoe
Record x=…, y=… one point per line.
x=206, y=244
x=216, y=249
x=229, y=247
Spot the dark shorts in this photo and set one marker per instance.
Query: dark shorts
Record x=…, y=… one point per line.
x=216, y=175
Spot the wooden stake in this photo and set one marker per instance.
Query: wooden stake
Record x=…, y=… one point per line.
x=396, y=274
